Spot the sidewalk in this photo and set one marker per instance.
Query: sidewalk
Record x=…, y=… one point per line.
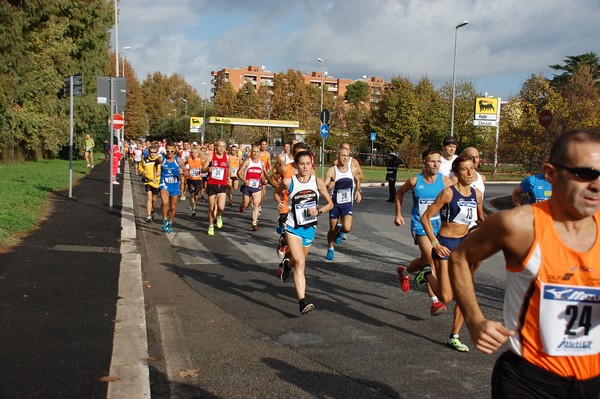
x=58, y=291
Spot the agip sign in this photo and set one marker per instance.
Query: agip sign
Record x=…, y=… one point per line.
x=487, y=108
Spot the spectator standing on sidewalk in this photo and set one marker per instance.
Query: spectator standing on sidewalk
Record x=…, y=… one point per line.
x=391, y=175
x=89, y=151
x=116, y=158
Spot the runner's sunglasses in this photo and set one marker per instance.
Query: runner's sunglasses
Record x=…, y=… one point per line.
x=585, y=174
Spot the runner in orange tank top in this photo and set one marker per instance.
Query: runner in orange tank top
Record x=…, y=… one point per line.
x=552, y=298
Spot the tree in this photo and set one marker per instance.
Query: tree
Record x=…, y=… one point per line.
x=357, y=92
x=225, y=100
x=433, y=115
x=572, y=64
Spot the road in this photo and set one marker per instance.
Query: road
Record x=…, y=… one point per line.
x=221, y=324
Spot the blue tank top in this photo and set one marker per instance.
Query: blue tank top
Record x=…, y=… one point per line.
x=423, y=195
x=537, y=188
x=461, y=209
x=169, y=172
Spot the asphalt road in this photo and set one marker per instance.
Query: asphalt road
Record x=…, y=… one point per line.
x=222, y=325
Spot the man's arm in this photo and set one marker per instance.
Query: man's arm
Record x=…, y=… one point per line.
x=516, y=196
x=403, y=189
x=509, y=231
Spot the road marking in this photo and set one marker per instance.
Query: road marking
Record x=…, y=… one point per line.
x=85, y=248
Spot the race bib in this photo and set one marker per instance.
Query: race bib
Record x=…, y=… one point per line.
x=217, y=173
x=344, y=196
x=468, y=212
x=302, y=215
x=253, y=183
x=570, y=320
x=424, y=205
x=171, y=180
x=233, y=172
x=195, y=172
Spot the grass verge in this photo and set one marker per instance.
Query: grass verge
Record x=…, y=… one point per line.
x=26, y=187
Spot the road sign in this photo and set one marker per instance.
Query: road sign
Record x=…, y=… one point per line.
x=373, y=136
x=486, y=105
x=325, y=116
x=104, y=91
x=324, y=131
x=545, y=117
x=479, y=122
x=119, y=121
x=486, y=117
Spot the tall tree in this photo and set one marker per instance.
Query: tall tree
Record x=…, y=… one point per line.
x=572, y=64
x=433, y=115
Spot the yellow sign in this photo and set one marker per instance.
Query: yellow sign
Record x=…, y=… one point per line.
x=486, y=105
x=196, y=121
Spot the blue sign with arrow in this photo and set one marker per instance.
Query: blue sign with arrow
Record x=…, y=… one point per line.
x=324, y=131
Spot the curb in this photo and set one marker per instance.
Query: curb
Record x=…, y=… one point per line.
x=129, y=363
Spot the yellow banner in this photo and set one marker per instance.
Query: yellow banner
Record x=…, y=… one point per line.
x=219, y=120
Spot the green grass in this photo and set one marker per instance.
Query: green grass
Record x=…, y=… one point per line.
x=26, y=187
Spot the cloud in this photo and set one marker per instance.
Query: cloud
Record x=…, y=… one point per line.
x=378, y=38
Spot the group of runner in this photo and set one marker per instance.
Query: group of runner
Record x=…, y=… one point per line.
x=552, y=304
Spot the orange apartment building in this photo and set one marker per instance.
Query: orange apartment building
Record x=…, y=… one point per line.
x=258, y=76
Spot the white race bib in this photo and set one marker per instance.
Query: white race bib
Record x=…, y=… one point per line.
x=302, y=215
x=194, y=172
x=253, y=183
x=233, y=171
x=343, y=196
x=217, y=173
x=570, y=320
x=468, y=212
x=423, y=205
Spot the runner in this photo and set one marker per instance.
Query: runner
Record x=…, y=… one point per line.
x=171, y=169
x=303, y=193
x=138, y=154
x=234, y=165
x=217, y=184
x=552, y=298
x=89, y=151
x=252, y=174
x=149, y=167
x=265, y=157
x=535, y=186
x=460, y=205
x=346, y=189
x=425, y=187
x=448, y=155
x=194, y=165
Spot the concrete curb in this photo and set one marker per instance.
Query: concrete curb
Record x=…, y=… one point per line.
x=129, y=363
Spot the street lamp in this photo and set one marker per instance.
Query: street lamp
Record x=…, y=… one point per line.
x=322, y=83
x=204, y=118
x=175, y=110
x=453, y=75
x=185, y=101
x=123, y=57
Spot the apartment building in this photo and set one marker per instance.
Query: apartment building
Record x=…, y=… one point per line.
x=258, y=76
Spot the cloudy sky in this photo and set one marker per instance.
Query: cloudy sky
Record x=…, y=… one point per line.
x=504, y=43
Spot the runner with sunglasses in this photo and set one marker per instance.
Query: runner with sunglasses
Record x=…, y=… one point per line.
x=149, y=166
x=552, y=297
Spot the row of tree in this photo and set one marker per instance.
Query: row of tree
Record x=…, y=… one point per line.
x=43, y=42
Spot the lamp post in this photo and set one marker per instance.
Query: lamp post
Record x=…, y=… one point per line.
x=204, y=118
x=185, y=101
x=453, y=75
x=322, y=83
x=123, y=57
x=175, y=110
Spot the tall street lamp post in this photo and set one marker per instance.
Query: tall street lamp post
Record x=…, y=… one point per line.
x=123, y=57
x=453, y=75
x=204, y=118
x=322, y=84
x=185, y=101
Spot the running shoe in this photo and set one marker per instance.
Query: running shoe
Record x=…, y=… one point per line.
x=211, y=230
x=285, y=270
x=339, y=236
x=88, y=165
x=242, y=207
x=254, y=226
x=281, y=247
x=420, y=279
x=404, y=280
x=164, y=224
x=169, y=228
x=309, y=307
x=182, y=198
x=219, y=222
x=437, y=308
x=116, y=182
x=330, y=254
x=194, y=212
x=454, y=343
x=148, y=219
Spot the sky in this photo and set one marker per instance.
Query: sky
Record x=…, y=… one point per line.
x=504, y=43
